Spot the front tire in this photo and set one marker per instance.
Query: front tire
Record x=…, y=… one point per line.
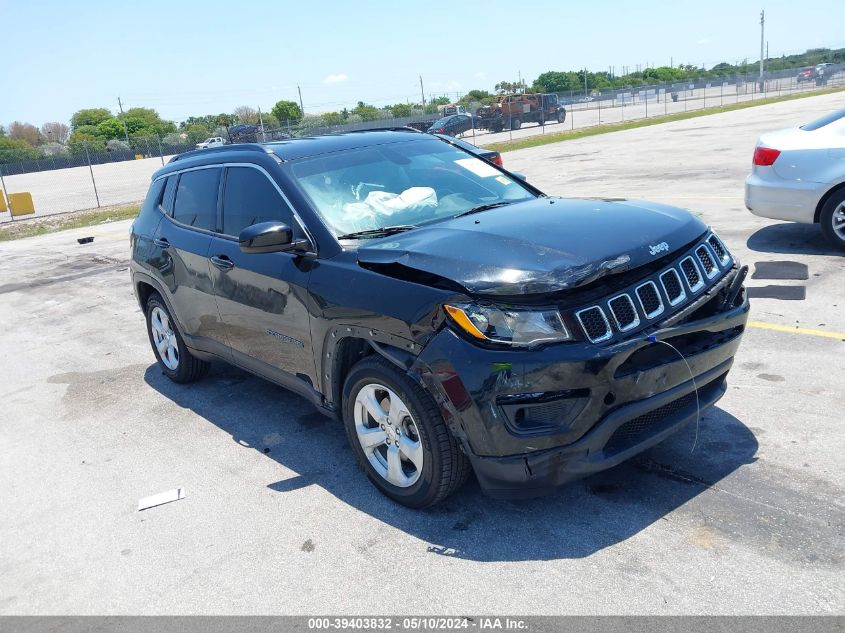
x=174, y=359
x=832, y=219
x=399, y=437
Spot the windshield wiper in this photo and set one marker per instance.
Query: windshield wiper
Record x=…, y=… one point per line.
x=483, y=207
x=377, y=232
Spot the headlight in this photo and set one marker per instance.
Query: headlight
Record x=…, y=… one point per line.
x=520, y=327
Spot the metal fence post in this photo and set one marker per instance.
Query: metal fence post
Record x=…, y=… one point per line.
x=599, y=103
x=91, y=169
x=645, y=95
x=510, y=123
x=6, y=194
x=160, y=151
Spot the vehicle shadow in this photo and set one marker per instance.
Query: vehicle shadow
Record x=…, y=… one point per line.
x=577, y=521
x=791, y=238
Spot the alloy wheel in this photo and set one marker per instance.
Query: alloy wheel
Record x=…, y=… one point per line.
x=164, y=338
x=837, y=221
x=388, y=435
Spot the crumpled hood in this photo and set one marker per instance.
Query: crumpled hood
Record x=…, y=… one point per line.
x=539, y=246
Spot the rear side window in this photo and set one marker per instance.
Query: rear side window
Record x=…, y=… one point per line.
x=153, y=195
x=250, y=198
x=167, y=198
x=196, y=199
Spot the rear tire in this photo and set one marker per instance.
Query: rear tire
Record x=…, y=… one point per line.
x=516, y=124
x=174, y=359
x=561, y=116
x=392, y=423
x=832, y=219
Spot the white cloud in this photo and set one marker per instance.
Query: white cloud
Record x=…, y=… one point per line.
x=704, y=40
x=335, y=79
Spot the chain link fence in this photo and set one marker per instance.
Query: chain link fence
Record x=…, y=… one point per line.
x=90, y=175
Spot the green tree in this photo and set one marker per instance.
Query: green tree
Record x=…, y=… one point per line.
x=146, y=122
x=197, y=132
x=476, y=96
x=402, y=109
x=110, y=129
x=14, y=150
x=333, y=118
x=286, y=111
x=90, y=116
x=366, y=111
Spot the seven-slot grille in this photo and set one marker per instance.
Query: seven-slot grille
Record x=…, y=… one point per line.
x=626, y=311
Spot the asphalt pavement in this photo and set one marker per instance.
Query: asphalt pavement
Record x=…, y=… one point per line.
x=276, y=519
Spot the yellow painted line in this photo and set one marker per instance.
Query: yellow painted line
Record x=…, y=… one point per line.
x=796, y=330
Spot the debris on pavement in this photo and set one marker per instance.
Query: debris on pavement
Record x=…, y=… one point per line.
x=161, y=498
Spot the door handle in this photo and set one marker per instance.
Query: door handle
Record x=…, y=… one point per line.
x=161, y=242
x=223, y=262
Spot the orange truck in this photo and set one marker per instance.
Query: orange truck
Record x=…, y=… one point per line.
x=511, y=111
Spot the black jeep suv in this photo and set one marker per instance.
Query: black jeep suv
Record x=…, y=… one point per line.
x=449, y=313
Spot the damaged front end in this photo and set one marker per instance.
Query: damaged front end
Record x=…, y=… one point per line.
x=534, y=412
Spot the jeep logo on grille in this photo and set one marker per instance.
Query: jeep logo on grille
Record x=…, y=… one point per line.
x=654, y=249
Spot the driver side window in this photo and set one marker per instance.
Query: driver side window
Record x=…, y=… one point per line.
x=249, y=198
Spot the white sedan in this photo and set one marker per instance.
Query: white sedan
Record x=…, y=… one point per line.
x=798, y=174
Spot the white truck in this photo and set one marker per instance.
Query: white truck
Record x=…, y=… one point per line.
x=214, y=141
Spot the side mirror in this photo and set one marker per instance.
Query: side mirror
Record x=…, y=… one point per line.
x=269, y=237
x=520, y=176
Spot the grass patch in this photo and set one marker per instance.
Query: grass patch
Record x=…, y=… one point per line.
x=536, y=141
x=30, y=227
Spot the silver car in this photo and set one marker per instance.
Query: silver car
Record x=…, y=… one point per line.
x=798, y=174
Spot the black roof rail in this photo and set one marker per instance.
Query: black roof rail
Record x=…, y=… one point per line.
x=233, y=147
x=394, y=128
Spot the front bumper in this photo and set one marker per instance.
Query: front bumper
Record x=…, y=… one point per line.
x=625, y=398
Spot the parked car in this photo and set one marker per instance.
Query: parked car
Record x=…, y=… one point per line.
x=453, y=317
x=798, y=175
x=214, y=141
x=452, y=125
x=808, y=73
x=487, y=154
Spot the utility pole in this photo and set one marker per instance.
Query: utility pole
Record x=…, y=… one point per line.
x=671, y=62
x=301, y=107
x=422, y=92
x=125, y=129
x=762, y=39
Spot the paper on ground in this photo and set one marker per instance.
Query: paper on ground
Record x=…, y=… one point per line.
x=161, y=498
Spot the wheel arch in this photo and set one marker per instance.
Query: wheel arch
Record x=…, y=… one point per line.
x=346, y=345
x=823, y=201
x=144, y=287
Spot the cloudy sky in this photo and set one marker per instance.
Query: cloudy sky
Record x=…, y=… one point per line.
x=192, y=57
